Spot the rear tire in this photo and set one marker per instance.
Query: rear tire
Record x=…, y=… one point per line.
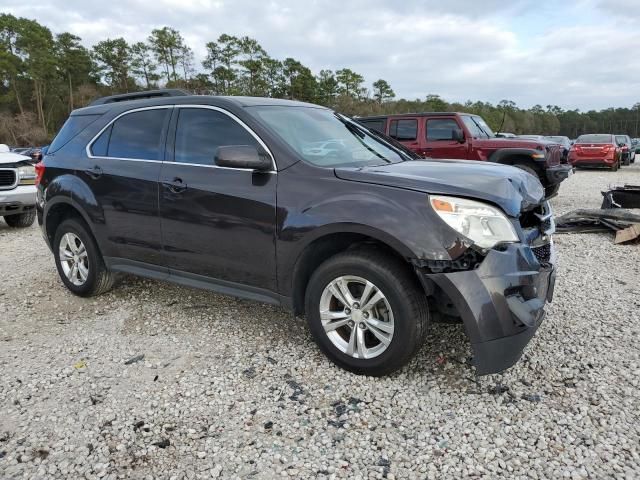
x=627, y=161
x=401, y=315
x=21, y=220
x=78, y=260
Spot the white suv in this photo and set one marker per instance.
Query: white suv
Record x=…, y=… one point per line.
x=17, y=188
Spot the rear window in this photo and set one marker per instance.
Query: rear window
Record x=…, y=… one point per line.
x=72, y=127
x=595, y=139
x=377, y=125
x=621, y=139
x=403, y=130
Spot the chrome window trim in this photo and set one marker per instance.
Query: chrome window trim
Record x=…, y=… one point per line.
x=206, y=107
x=16, y=176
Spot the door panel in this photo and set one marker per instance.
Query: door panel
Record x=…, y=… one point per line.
x=215, y=221
x=438, y=134
x=122, y=172
x=127, y=191
x=220, y=223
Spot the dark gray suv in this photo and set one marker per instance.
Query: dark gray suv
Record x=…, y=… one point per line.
x=293, y=204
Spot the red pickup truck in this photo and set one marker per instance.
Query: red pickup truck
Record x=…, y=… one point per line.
x=463, y=136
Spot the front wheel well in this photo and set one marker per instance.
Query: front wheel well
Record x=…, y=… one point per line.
x=321, y=249
x=514, y=160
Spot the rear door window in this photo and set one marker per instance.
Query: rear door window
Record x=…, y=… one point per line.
x=201, y=131
x=136, y=135
x=439, y=129
x=404, y=129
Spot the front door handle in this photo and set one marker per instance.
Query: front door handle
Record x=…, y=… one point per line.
x=94, y=172
x=176, y=185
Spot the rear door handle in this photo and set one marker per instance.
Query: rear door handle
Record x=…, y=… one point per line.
x=176, y=185
x=94, y=172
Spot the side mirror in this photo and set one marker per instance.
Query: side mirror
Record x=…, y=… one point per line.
x=457, y=135
x=242, y=156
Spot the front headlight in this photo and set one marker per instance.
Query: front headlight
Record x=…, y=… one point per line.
x=481, y=223
x=27, y=175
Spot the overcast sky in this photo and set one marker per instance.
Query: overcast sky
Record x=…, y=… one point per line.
x=584, y=54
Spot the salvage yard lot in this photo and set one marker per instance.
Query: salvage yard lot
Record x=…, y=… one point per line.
x=232, y=388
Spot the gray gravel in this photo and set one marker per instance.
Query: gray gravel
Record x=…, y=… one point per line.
x=157, y=381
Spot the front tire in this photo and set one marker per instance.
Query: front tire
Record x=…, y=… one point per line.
x=21, y=220
x=78, y=260
x=366, y=311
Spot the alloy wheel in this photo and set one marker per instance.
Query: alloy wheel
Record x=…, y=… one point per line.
x=357, y=317
x=73, y=259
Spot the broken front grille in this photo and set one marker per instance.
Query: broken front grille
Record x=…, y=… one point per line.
x=538, y=225
x=539, y=218
x=542, y=253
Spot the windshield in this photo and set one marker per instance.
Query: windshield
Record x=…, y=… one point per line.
x=594, y=139
x=477, y=126
x=327, y=139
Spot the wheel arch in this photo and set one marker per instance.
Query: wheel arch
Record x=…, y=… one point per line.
x=335, y=240
x=58, y=210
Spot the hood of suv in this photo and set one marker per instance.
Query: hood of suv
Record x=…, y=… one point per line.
x=512, y=189
x=499, y=142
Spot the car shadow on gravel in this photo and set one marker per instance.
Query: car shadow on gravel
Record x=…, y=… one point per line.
x=444, y=357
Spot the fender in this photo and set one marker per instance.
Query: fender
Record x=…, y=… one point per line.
x=72, y=191
x=503, y=153
x=399, y=219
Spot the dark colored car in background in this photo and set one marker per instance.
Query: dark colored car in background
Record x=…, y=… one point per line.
x=292, y=204
x=596, y=150
x=564, y=141
x=463, y=136
x=628, y=152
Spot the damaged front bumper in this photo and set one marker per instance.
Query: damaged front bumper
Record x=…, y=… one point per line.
x=501, y=302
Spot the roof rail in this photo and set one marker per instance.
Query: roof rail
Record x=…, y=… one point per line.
x=125, y=97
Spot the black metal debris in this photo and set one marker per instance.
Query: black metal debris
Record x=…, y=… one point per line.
x=626, y=196
x=590, y=221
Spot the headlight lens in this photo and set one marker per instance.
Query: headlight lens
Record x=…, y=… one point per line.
x=481, y=223
x=27, y=175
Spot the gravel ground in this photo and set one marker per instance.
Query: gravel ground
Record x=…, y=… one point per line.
x=158, y=381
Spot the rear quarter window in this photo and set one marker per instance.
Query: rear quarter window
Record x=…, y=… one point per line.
x=72, y=127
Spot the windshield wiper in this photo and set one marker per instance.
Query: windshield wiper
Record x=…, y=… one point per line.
x=357, y=131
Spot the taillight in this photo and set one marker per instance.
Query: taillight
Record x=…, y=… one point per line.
x=39, y=172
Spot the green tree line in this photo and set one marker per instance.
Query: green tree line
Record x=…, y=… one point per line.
x=45, y=75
